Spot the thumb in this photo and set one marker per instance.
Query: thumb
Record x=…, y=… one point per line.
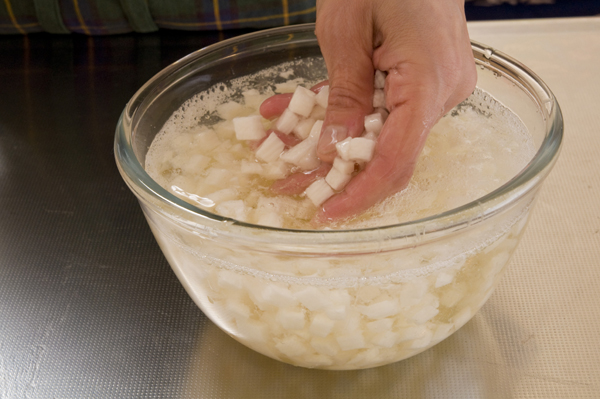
x=345, y=35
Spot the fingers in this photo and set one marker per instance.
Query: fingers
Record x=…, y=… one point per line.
x=297, y=183
x=399, y=144
x=345, y=38
x=275, y=105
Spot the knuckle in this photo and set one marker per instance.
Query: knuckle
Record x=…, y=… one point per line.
x=350, y=97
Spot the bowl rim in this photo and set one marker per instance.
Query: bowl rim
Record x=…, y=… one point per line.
x=524, y=182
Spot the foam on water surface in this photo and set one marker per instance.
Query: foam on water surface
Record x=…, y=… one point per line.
x=470, y=152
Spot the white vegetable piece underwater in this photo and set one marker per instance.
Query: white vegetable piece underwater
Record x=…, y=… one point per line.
x=319, y=192
x=302, y=101
x=270, y=149
x=249, y=128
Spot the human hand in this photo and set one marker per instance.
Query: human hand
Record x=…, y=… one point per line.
x=424, y=47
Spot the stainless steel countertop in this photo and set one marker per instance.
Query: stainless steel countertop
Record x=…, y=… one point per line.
x=90, y=308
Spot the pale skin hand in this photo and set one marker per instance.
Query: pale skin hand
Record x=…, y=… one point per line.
x=424, y=47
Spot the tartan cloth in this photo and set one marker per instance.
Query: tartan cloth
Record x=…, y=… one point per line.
x=103, y=17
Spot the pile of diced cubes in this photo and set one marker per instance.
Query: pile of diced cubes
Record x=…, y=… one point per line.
x=298, y=120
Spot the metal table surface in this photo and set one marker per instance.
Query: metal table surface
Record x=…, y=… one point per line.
x=89, y=307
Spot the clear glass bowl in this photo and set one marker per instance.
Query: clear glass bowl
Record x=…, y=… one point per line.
x=335, y=299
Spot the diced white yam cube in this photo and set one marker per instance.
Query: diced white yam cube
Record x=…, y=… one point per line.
x=276, y=170
x=424, y=341
x=412, y=332
x=233, y=209
x=230, y=110
x=383, y=112
x=424, y=314
x=321, y=325
x=351, y=340
x=343, y=148
x=452, y=296
x=291, y=346
x=225, y=158
x=318, y=112
x=346, y=167
x=361, y=149
x=238, y=149
x=370, y=136
x=225, y=129
x=312, y=298
x=352, y=322
x=249, y=127
x=341, y=297
x=225, y=146
x=270, y=149
x=251, y=168
x=237, y=309
x=226, y=194
x=302, y=101
x=307, y=267
x=302, y=129
x=206, y=140
x=287, y=121
x=336, y=179
x=216, y=176
x=336, y=312
x=182, y=141
x=196, y=164
x=412, y=293
x=286, y=87
x=374, y=123
x=366, y=358
x=326, y=346
x=230, y=280
x=322, y=97
x=304, y=210
x=291, y=319
x=378, y=98
x=252, y=98
x=315, y=131
x=379, y=80
x=497, y=263
x=251, y=330
x=443, y=278
x=277, y=296
x=381, y=309
x=271, y=219
x=267, y=204
x=303, y=155
x=319, y=191
x=386, y=339
x=380, y=325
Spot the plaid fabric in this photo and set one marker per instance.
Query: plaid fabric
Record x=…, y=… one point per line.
x=102, y=17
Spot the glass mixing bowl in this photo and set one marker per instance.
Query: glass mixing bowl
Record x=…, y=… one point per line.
x=335, y=299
